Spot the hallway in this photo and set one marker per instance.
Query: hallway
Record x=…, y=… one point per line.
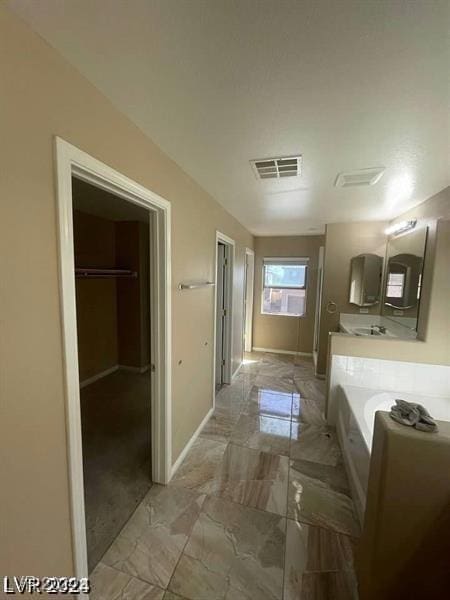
x=260, y=509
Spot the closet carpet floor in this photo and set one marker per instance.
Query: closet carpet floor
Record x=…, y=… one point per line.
x=260, y=509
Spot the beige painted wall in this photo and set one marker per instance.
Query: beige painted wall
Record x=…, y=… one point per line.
x=435, y=349
x=43, y=96
x=436, y=277
x=342, y=242
x=434, y=316
x=281, y=332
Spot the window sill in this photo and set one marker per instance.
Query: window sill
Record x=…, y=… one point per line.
x=266, y=314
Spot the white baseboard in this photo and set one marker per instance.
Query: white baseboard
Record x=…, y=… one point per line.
x=134, y=369
x=188, y=446
x=111, y=370
x=275, y=351
x=98, y=376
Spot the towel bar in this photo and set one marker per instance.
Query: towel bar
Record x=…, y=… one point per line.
x=194, y=285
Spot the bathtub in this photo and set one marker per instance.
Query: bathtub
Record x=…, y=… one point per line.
x=355, y=422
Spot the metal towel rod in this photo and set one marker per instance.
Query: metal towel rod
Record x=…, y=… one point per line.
x=194, y=285
x=90, y=273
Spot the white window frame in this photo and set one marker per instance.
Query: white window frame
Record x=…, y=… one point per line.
x=284, y=261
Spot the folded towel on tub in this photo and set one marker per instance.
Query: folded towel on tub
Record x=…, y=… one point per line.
x=413, y=415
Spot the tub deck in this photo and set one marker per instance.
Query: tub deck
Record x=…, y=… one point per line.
x=355, y=424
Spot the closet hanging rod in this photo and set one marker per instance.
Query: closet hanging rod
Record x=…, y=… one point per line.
x=196, y=284
x=88, y=273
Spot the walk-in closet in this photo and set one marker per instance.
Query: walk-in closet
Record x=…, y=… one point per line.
x=112, y=262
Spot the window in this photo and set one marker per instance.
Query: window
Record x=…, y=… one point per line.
x=284, y=286
x=395, y=285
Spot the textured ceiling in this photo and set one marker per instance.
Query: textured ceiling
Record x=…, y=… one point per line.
x=215, y=84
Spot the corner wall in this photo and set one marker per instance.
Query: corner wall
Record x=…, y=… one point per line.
x=343, y=241
x=433, y=347
x=294, y=334
x=44, y=96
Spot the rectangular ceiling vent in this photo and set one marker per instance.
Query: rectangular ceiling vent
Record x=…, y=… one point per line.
x=361, y=177
x=274, y=168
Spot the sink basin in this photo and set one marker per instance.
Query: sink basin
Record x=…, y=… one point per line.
x=366, y=331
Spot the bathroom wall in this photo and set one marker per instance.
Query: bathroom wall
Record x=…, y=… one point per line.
x=434, y=316
x=387, y=375
x=343, y=241
x=280, y=332
x=45, y=97
x=434, y=302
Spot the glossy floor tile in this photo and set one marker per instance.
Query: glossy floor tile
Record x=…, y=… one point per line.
x=316, y=502
x=109, y=584
x=275, y=384
x=314, y=443
x=303, y=368
x=233, y=552
x=311, y=388
x=334, y=477
x=277, y=369
x=313, y=550
x=150, y=544
x=220, y=426
x=244, y=475
x=260, y=508
x=202, y=466
x=268, y=403
x=307, y=411
x=254, y=478
x=172, y=596
x=263, y=433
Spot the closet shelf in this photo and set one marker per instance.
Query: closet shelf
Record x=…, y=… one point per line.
x=88, y=273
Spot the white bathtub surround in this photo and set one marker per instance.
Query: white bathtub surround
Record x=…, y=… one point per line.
x=386, y=375
x=355, y=424
x=350, y=323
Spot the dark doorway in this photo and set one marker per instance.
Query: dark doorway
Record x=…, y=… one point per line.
x=112, y=258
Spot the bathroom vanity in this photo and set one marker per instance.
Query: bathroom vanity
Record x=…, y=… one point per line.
x=376, y=326
x=392, y=294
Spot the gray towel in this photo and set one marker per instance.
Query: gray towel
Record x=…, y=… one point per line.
x=413, y=415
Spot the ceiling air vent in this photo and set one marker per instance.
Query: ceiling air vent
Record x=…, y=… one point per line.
x=275, y=168
x=361, y=177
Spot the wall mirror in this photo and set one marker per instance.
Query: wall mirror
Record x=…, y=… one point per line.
x=366, y=271
x=403, y=280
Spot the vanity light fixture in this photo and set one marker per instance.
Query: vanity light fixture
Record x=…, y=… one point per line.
x=401, y=227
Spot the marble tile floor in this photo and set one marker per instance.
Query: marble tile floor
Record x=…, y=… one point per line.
x=260, y=508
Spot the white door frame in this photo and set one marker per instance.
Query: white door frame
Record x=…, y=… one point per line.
x=228, y=327
x=70, y=161
x=248, y=299
x=317, y=316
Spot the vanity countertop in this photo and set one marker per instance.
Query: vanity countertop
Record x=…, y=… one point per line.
x=369, y=325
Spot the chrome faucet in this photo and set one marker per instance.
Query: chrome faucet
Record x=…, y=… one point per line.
x=380, y=328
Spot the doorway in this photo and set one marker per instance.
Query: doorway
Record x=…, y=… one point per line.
x=223, y=311
x=112, y=282
x=249, y=276
x=318, y=309
x=135, y=443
